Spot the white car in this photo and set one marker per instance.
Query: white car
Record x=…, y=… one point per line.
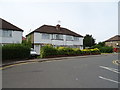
x=33, y=53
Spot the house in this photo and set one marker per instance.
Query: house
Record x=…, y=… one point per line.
x=23, y=38
x=56, y=36
x=114, y=42
x=9, y=33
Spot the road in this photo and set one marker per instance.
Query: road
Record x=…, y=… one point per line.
x=84, y=72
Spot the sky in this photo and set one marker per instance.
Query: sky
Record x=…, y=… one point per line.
x=98, y=18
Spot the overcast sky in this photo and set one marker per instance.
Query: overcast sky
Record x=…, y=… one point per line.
x=98, y=17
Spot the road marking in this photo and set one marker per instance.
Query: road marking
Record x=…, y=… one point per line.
x=12, y=65
x=108, y=79
x=110, y=69
x=116, y=62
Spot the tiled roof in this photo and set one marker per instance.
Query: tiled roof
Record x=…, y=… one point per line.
x=23, y=38
x=6, y=25
x=115, y=38
x=55, y=30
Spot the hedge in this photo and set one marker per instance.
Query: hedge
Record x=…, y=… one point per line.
x=106, y=49
x=48, y=51
x=15, y=51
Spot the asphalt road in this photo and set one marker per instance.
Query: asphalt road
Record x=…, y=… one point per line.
x=85, y=72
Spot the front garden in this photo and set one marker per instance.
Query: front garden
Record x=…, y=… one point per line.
x=49, y=51
x=15, y=52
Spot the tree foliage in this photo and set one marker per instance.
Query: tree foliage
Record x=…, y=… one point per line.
x=88, y=41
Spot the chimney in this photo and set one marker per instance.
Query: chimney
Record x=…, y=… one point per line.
x=58, y=27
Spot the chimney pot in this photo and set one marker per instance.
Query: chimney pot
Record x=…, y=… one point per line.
x=58, y=27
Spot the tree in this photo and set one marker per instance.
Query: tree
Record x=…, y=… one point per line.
x=27, y=43
x=99, y=45
x=88, y=41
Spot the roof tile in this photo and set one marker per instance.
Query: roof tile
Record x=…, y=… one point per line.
x=8, y=26
x=53, y=30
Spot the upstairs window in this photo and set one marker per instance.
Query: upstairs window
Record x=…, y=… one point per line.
x=45, y=36
x=57, y=36
x=7, y=33
x=76, y=38
x=69, y=38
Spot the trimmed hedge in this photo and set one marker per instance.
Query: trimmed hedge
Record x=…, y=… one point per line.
x=106, y=49
x=15, y=51
x=91, y=51
x=48, y=51
x=103, y=49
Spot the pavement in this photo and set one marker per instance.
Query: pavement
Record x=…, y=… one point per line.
x=97, y=71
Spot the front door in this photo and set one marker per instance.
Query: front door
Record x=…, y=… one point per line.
x=37, y=48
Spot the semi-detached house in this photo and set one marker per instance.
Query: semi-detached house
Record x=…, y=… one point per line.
x=56, y=36
x=9, y=33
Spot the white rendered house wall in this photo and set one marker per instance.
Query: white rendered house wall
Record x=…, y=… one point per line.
x=16, y=37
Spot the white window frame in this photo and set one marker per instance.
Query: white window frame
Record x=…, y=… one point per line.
x=57, y=36
x=45, y=36
x=69, y=38
x=76, y=38
x=6, y=33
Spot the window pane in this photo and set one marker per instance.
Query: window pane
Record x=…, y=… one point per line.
x=69, y=38
x=57, y=36
x=76, y=38
x=45, y=36
x=7, y=33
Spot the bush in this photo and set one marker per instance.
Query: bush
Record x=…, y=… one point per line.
x=106, y=49
x=96, y=46
x=65, y=51
x=77, y=51
x=15, y=51
x=103, y=49
x=47, y=51
x=91, y=51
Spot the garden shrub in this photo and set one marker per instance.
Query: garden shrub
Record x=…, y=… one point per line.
x=15, y=51
x=47, y=51
x=106, y=49
x=77, y=51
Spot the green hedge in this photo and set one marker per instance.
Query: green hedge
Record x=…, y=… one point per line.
x=106, y=49
x=103, y=49
x=15, y=51
x=48, y=50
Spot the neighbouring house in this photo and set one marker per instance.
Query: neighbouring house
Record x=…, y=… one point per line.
x=9, y=33
x=56, y=36
x=23, y=38
x=114, y=42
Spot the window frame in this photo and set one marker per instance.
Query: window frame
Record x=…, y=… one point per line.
x=68, y=36
x=45, y=36
x=6, y=33
x=57, y=37
x=76, y=38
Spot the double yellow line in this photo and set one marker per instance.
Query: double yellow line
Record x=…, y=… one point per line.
x=116, y=62
x=12, y=65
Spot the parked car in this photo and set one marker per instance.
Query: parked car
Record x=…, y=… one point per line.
x=33, y=53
